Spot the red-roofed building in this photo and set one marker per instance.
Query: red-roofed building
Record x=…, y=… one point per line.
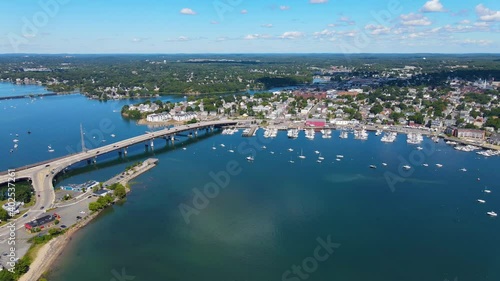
x=315, y=123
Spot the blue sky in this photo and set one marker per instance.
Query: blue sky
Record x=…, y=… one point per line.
x=244, y=26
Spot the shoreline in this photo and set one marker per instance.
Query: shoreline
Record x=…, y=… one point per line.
x=48, y=253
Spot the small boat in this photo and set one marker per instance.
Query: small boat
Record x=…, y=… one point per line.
x=16, y=145
x=481, y=201
x=264, y=147
x=272, y=152
x=12, y=150
x=338, y=159
x=291, y=161
x=231, y=151
x=301, y=156
x=425, y=165
x=113, y=135
x=290, y=149
x=15, y=140
x=319, y=161
x=439, y=165
x=317, y=152
x=384, y=164
x=419, y=148
x=51, y=150
x=406, y=167
x=222, y=145
x=184, y=148
x=250, y=158
x=487, y=191
x=213, y=147
x=373, y=167
x=340, y=156
x=321, y=158
x=491, y=214
x=463, y=170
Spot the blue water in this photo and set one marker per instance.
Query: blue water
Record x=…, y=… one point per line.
x=271, y=213
x=55, y=121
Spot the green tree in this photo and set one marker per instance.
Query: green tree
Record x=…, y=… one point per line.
x=120, y=191
x=4, y=215
x=94, y=206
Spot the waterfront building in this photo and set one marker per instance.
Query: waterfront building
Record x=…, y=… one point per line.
x=41, y=223
x=161, y=117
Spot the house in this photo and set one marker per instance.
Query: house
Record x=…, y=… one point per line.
x=469, y=133
x=41, y=223
x=102, y=192
x=161, y=117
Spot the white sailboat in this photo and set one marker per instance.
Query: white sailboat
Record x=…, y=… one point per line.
x=301, y=156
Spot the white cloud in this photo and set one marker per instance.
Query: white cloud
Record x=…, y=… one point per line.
x=267, y=25
x=137, y=40
x=214, y=22
x=244, y=12
x=377, y=29
x=412, y=19
x=346, y=20
x=187, y=11
x=284, y=8
x=318, y=1
x=486, y=14
x=432, y=6
x=464, y=22
x=324, y=34
x=291, y=35
x=256, y=36
x=476, y=42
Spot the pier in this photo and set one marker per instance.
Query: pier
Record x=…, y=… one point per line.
x=129, y=175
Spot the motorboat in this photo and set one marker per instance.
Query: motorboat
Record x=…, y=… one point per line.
x=491, y=214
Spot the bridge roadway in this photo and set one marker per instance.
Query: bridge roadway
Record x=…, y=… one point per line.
x=42, y=175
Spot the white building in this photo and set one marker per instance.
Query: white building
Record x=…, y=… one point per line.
x=161, y=117
x=184, y=117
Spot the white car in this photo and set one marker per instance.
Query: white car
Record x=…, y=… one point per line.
x=82, y=212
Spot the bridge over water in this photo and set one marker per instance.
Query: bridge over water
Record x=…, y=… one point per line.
x=42, y=174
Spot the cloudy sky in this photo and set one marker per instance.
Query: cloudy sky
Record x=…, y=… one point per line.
x=250, y=26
